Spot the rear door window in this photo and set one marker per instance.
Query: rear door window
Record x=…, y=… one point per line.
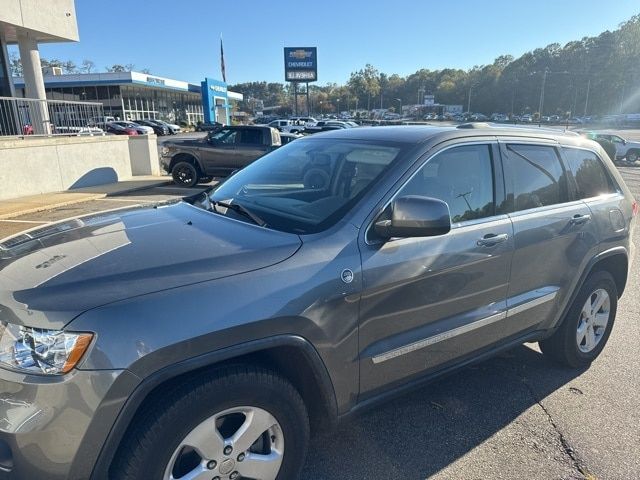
x=590, y=175
x=251, y=136
x=536, y=176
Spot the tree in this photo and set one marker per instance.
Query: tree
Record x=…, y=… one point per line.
x=116, y=68
x=87, y=66
x=69, y=67
x=15, y=65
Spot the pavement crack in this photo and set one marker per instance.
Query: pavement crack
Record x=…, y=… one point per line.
x=568, y=450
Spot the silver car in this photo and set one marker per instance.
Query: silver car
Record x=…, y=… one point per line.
x=207, y=338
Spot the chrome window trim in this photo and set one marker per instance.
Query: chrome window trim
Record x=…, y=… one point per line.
x=476, y=221
x=496, y=317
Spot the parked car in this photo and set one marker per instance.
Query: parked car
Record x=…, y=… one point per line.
x=499, y=117
x=289, y=137
x=327, y=125
x=627, y=150
x=117, y=129
x=141, y=129
x=101, y=122
x=158, y=128
x=210, y=335
x=208, y=127
x=303, y=120
x=191, y=161
x=173, y=128
x=288, y=126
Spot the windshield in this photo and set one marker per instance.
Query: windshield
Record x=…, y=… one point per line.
x=308, y=185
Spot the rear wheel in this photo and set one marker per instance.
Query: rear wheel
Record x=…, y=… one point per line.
x=184, y=174
x=244, y=423
x=588, y=324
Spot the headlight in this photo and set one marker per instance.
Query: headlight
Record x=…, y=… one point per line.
x=39, y=351
x=164, y=151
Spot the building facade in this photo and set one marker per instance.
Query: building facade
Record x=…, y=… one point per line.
x=136, y=95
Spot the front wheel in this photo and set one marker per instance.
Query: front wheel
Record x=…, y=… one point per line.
x=184, y=174
x=632, y=156
x=242, y=422
x=586, y=328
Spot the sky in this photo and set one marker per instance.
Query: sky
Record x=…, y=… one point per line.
x=180, y=39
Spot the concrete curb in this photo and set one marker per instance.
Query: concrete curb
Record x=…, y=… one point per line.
x=85, y=197
x=50, y=206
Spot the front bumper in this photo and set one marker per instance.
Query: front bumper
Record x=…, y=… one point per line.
x=54, y=427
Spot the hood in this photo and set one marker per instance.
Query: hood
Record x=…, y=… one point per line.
x=50, y=275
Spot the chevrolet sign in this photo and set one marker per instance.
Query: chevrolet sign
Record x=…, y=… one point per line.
x=300, y=64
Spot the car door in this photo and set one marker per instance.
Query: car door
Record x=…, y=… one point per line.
x=600, y=192
x=553, y=232
x=428, y=301
x=219, y=150
x=621, y=146
x=251, y=145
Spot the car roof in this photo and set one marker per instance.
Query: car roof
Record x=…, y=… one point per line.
x=417, y=134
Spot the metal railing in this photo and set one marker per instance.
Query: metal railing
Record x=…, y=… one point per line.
x=29, y=116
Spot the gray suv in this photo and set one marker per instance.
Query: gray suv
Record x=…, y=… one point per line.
x=206, y=338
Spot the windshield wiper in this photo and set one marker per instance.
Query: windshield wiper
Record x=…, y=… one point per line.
x=242, y=210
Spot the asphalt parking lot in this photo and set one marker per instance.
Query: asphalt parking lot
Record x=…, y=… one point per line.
x=513, y=417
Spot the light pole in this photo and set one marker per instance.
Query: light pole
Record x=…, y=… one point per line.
x=544, y=80
x=400, y=101
x=421, y=92
x=469, y=98
x=337, y=107
x=586, y=100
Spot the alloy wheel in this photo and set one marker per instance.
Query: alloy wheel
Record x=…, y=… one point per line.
x=594, y=319
x=237, y=443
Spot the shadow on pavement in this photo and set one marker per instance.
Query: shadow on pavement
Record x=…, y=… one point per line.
x=419, y=434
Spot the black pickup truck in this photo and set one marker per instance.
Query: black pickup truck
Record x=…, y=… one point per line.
x=222, y=151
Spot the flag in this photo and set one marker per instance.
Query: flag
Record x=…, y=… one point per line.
x=222, y=69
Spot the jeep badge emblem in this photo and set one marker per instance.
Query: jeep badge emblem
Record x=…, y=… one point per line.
x=347, y=276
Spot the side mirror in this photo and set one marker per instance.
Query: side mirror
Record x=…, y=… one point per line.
x=415, y=216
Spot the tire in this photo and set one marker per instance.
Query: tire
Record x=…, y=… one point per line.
x=567, y=346
x=185, y=174
x=632, y=156
x=205, y=179
x=154, y=447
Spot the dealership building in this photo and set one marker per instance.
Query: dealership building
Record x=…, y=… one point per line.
x=137, y=95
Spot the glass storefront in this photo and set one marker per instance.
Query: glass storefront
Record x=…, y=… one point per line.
x=134, y=102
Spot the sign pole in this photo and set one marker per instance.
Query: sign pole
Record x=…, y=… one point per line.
x=308, y=110
x=295, y=98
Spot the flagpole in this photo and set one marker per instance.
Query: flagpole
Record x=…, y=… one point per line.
x=222, y=66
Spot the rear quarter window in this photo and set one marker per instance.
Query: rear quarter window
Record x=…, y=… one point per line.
x=589, y=173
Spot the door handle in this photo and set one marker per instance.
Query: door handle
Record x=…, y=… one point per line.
x=491, y=239
x=579, y=219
